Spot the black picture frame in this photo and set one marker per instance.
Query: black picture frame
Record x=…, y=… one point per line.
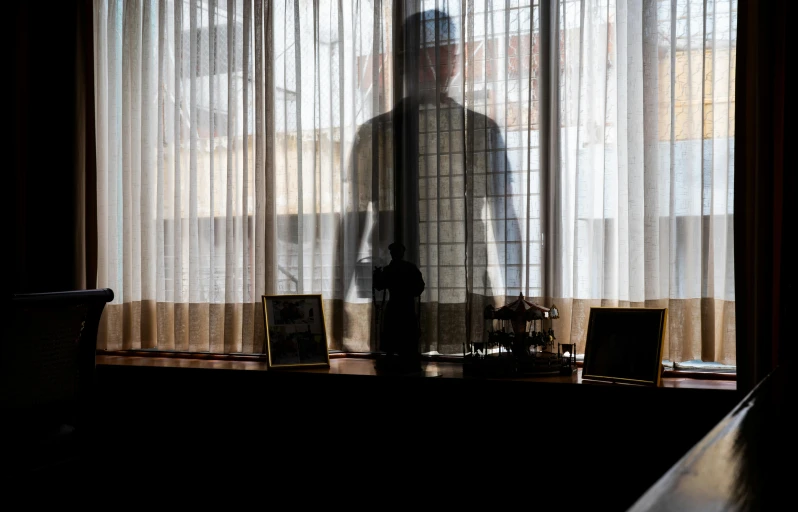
x=296, y=335
x=624, y=345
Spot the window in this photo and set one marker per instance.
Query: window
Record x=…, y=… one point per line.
x=578, y=153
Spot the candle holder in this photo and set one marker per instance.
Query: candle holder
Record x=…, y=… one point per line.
x=566, y=352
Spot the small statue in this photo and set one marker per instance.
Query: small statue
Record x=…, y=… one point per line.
x=400, y=332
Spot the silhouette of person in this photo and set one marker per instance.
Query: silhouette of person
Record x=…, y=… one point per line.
x=430, y=175
x=404, y=283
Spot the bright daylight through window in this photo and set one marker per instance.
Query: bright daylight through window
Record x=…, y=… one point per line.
x=579, y=153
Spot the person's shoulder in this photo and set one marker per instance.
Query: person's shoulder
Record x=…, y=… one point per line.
x=402, y=265
x=481, y=120
x=410, y=266
x=382, y=121
x=383, y=118
x=477, y=119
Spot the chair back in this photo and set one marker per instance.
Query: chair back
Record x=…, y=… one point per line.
x=47, y=359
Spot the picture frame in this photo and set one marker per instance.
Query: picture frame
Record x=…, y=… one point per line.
x=296, y=335
x=624, y=345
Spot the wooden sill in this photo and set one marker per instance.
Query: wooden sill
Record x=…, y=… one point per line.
x=681, y=374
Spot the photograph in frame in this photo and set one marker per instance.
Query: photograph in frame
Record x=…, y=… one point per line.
x=295, y=330
x=624, y=345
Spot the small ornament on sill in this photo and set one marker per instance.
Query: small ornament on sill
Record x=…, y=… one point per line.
x=567, y=354
x=519, y=340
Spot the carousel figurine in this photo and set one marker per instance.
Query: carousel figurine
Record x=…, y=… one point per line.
x=517, y=339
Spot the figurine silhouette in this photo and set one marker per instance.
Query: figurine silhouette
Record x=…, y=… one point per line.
x=400, y=332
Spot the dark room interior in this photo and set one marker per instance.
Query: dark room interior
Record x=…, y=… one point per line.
x=222, y=421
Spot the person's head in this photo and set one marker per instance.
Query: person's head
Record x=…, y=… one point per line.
x=397, y=251
x=421, y=63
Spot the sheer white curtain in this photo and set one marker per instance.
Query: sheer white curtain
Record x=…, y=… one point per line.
x=180, y=165
x=247, y=147
x=645, y=176
x=465, y=198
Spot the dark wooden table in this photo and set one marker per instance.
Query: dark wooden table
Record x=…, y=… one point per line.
x=193, y=416
x=745, y=463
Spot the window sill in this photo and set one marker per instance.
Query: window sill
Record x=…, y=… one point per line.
x=679, y=371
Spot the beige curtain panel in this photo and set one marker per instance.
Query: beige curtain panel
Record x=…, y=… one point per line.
x=181, y=175
x=577, y=152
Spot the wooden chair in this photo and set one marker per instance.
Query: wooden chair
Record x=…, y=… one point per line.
x=46, y=380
